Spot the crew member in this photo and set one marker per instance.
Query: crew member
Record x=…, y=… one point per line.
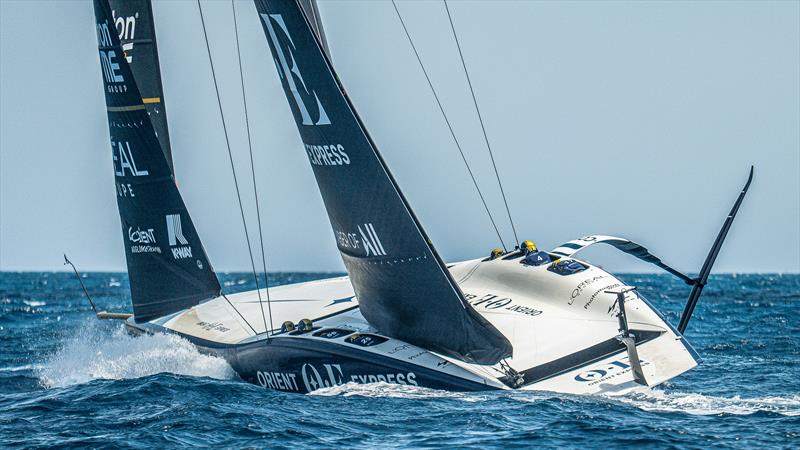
x=533, y=257
x=496, y=253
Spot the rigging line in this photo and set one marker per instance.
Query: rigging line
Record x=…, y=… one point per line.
x=253, y=173
x=449, y=126
x=240, y=314
x=480, y=118
x=233, y=170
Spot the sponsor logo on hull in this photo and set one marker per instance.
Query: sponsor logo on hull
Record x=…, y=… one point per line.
x=581, y=286
x=605, y=372
x=495, y=302
x=313, y=377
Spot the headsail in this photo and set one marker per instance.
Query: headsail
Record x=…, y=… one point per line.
x=167, y=265
x=402, y=285
x=133, y=20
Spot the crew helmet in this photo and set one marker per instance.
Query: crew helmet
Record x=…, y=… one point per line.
x=527, y=247
x=496, y=253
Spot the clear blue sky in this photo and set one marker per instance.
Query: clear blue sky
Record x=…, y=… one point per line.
x=636, y=119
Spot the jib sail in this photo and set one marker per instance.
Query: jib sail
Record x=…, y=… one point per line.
x=167, y=265
x=133, y=20
x=403, y=287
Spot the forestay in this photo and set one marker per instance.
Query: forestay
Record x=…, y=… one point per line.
x=167, y=265
x=402, y=285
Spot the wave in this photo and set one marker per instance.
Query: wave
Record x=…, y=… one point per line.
x=95, y=353
x=705, y=405
x=34, y=303
x=649, y=400
x=19, y=368
x=390, y=390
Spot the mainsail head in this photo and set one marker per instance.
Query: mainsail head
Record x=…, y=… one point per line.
x=403, y=287
x=167, y=265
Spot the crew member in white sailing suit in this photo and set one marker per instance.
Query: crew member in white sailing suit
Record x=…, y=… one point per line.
x=533, y=257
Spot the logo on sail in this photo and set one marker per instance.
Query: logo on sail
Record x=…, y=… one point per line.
x=372, y=244
x=144, y=240
x=287, y=69
x=124, y=161
x=177, y=241
x=108, y=59
x=126, y=28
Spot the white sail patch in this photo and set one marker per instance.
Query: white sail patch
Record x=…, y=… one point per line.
x=287, y=67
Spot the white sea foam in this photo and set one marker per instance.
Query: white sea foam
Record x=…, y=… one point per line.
x=19, y=368
x=390, y=390
x=380, y=389
x=651, y=400
x=700, y=404
x=34, y=303
x=95, y=353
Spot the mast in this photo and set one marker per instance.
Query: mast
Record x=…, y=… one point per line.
x=403, y=287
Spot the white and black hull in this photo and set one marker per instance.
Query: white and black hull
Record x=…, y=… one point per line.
x=565, y=336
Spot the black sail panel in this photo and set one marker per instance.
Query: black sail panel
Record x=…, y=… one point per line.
x=167, y=265
x=403, y=287
x=133, y=20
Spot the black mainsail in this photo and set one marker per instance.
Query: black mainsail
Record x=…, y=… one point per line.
x=133, y=20
x=167, y=266
x=403, y=287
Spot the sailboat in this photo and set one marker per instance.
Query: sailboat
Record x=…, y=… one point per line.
x=401, y=315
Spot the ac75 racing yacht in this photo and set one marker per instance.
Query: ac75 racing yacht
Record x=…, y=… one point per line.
x=402, y=315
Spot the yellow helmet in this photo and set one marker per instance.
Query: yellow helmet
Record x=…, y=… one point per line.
x=496, y=253
x=527, y=246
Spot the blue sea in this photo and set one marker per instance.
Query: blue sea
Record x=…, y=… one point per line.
x=67, y=379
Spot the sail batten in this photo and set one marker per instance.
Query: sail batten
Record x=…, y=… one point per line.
x=403, y=286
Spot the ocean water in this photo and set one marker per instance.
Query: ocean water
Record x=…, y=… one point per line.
x=67, y=379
